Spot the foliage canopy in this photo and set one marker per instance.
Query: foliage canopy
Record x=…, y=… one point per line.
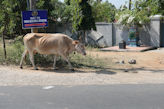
x=81, y=13
x=140, y=13
x=103, y=11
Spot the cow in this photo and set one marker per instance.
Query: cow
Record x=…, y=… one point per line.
x=57, y=44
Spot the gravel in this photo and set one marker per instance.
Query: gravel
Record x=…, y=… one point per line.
x=13, y=76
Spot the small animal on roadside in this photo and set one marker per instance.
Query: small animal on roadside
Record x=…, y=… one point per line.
x=56, y=44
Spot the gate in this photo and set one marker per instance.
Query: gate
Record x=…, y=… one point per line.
x=162, y=33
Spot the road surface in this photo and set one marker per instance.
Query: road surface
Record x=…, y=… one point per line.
x=147, y=96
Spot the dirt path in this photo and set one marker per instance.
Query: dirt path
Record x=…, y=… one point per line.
x=10, y=75
x=148, y=70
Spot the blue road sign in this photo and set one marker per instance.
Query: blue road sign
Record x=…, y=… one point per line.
x=34, y=19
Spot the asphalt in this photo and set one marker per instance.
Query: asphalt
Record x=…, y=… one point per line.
x=145, y=96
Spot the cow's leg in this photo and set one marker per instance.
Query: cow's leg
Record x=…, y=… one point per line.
x=32, y=60
x=54, y=65
x=67, y=59
x=23, y=56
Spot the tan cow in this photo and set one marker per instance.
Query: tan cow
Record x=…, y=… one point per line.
x=57, y=44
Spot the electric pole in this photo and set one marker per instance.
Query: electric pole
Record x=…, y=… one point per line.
x=33, y=7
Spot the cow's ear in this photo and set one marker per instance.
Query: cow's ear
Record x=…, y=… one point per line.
x=75, y=42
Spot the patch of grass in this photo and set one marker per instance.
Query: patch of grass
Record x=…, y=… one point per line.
x=43, y=60
x=14, y=52
x=1, y=55
x=88, y=61
x=90, y=48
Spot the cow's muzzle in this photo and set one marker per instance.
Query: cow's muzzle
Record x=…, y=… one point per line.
x=84, y=54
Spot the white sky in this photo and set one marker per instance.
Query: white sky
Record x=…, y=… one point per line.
x=117, y=3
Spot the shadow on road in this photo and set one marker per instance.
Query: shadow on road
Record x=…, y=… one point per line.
x=105, y=71
x=64, y=70
x=135, y=70
x=80, y=68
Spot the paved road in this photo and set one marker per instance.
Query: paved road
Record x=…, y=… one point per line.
x=82, y=97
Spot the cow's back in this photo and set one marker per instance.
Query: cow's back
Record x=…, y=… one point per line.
x=47, y=43
x=54, y=43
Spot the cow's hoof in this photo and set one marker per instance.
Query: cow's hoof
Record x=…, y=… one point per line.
x=72, y=70
x=21, y=67
x=36, y=69
x=55, y=69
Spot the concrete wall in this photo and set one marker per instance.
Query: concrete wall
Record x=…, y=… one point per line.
x=155, y=31
x=149, y=35
x=144, y=35
x=106, y=30
x=110, y=34
x=119, y=33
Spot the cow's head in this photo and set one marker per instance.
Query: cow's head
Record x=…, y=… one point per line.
x=79, y=47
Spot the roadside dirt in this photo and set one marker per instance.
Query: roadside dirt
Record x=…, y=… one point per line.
x=149, y=69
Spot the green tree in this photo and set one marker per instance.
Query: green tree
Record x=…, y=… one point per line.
x=161, y=6
x=57, y=10
x=7, y=16
x=7, y=19
x=46, y=4
x=10, y=12
x=60, y=11
x=82, y=18
x=75, y=11
x=103, y=11
x=20, y=6
x=151, y=6
x=88, y=21
x=140, y=12
x=10, y=18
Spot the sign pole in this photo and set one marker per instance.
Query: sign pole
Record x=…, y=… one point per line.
x=28, y=4
x=33, y=7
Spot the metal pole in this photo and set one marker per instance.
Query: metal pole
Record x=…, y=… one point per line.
x=28, y=4
x=33, y=7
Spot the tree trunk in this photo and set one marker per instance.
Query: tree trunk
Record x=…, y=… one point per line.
x=130, y=4
x=4, y=45
x=85, y=37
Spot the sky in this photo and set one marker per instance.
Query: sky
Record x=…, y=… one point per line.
x=118, y=3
